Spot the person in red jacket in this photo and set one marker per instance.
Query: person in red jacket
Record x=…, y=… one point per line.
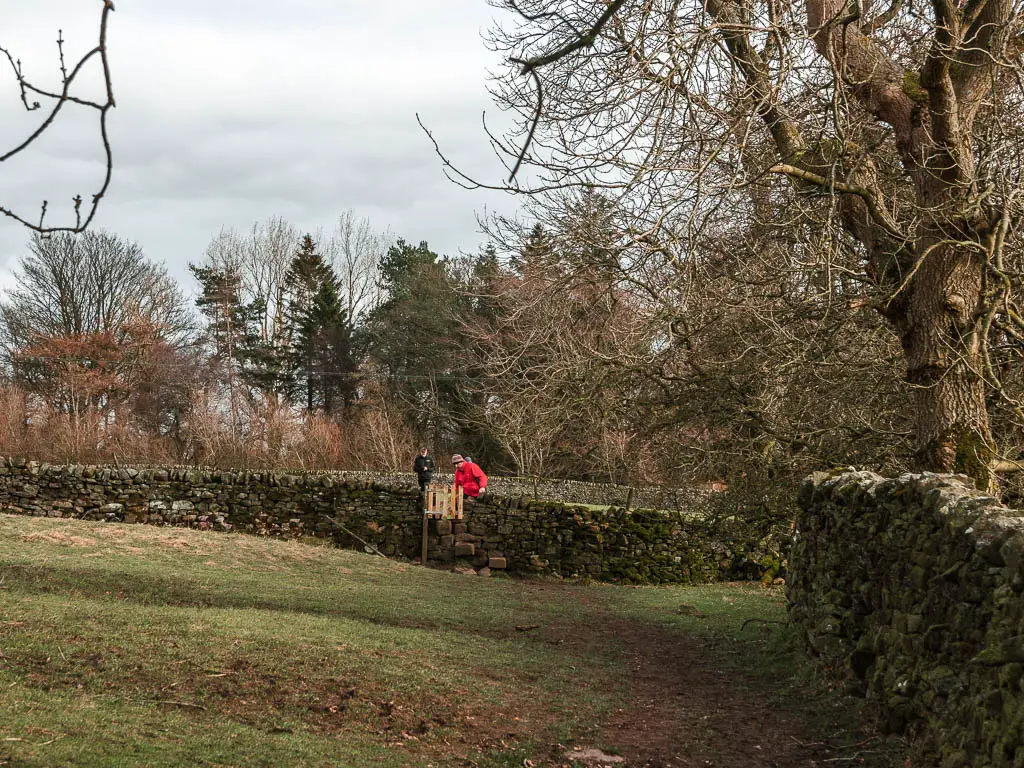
x=468, y=476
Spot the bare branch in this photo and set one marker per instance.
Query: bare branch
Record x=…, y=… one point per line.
x=582, y=41
x=831, y=185
x=60, y=99
x=530, y=66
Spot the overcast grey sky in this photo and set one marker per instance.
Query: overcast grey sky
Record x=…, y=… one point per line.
x=231, y=111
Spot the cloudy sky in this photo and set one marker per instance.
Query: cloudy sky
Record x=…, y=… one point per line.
x=232, y=111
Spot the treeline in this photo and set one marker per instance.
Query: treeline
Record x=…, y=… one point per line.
x=548, y=352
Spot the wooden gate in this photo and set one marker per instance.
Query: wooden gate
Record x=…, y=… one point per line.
x=443, y=501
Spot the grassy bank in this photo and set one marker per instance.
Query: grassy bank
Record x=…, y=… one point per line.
x=139, y=646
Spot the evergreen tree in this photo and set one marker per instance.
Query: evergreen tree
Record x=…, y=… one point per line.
x=321, y=341
x=268, y=363
x=402, y=268
x=220, y=302
x=535, y=253
x=415, y=338
x=229, y=329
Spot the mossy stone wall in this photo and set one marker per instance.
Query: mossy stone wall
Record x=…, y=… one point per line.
x=498, y=533
x=554, y=489
x=914, y=587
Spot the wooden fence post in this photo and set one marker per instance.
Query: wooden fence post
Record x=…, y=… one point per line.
x=423, y=554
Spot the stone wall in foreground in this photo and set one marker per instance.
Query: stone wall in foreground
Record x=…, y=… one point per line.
x=915, y=587
x=506, y=533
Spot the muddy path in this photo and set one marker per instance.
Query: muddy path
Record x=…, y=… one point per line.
x=688, y=709
x=698, y=700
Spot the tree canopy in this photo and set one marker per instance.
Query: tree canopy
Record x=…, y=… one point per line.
x=863, y=158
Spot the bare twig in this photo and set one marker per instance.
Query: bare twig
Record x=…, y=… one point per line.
x=176, y=703
x=762, y=621
x=60, y=99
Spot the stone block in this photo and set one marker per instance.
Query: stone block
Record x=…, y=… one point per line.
x=465, y=550
x=497, y=563
x=444, y=527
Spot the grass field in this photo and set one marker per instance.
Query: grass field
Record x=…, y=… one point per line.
x=139, y=646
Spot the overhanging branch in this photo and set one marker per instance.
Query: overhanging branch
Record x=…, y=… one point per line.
x=529, y=67
x=877, y=214
x=61, y=98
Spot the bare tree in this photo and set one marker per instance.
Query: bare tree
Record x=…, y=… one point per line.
x=554, y=345
x=50, y=102
x=94, y=282
x=101, y=338
x=886, y=139
x=261, y=257
x=734, y=361
x=355, y=249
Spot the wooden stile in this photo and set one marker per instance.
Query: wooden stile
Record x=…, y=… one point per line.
x=440, y=501
x=443, y=501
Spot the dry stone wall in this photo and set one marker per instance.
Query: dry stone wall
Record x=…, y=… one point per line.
x=499, y=533
x=915, y=587
x=564, y=491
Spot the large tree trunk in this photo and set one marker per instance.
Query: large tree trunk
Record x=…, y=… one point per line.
x=937, y=306
x=939, y=326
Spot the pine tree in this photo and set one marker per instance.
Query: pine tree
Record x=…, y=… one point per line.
x=329, y=335
x=536, y=252
x=267, y=363
x=321, y=348
x=229, y=329
x=415, y=339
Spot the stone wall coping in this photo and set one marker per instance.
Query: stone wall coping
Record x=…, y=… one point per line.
x=947, y=494
x=554, y=489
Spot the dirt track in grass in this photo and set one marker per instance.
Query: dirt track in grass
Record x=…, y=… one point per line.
x=694, y=700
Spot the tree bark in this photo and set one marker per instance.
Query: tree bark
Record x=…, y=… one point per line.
x=939, y=327
x=936, y=308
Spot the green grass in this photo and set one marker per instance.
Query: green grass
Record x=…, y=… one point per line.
x=139, y=646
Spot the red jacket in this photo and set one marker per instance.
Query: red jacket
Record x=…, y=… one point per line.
x=471, y=478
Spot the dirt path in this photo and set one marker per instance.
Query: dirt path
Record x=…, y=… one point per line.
x=689, y=706
x=685, y=711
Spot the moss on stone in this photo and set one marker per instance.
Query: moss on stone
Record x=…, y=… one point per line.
x=887, y=590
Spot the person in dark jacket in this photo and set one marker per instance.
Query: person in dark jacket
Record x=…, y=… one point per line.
x=424, y=469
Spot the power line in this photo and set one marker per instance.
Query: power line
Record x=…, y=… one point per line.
x=114, y=363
